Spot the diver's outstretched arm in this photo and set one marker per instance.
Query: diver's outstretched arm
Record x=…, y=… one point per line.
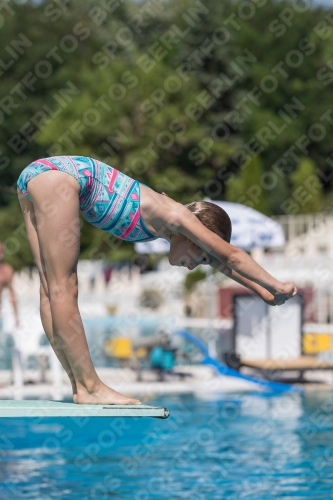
x=264, y=294
x=233, y=257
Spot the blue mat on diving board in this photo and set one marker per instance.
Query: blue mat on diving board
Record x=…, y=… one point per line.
x=41, y=408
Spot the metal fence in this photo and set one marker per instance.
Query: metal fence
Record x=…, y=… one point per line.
x=295, y=225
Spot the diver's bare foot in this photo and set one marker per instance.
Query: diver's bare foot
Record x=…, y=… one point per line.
x=103, y=395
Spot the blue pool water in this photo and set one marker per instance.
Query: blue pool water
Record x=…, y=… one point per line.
x=252, y=446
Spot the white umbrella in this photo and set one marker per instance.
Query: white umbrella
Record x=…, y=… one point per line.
x=156, y=246
x=250, y=229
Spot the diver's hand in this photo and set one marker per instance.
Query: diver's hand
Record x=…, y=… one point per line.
x=286, y=291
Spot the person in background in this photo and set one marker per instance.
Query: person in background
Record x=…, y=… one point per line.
x=6, y=281
x=107, y=274
x=92, y=281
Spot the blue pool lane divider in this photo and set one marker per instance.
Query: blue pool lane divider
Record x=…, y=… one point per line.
x=231, y=372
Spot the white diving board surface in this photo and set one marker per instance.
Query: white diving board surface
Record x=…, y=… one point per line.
x=42, y=408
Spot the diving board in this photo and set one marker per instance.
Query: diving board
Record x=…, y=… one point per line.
x=43, y=408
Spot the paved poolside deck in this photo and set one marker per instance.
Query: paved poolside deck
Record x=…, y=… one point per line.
x=203, y=384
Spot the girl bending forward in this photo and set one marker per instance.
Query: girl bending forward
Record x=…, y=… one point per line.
x=199, y=233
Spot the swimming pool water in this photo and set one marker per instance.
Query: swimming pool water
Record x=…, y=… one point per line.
x=251, y=446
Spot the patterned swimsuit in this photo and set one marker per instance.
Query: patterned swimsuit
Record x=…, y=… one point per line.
x=108, y=198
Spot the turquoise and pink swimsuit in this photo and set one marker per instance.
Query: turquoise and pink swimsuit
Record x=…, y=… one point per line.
x=109, y=199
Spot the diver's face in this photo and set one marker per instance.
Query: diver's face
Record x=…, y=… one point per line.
x=184, y=252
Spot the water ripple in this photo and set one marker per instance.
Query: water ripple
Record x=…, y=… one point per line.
x=252, y=446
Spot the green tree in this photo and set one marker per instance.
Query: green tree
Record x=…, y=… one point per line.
x=307, y=189
x=246, y=188
x=277, y=193
x=14, y=236
x=299, y=95
x=193, y=278
x=221, y=78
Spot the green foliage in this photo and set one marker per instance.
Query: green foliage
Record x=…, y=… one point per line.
x=277, y=192
x=14, y=237
x=192, y=278
x=307, y=190
x=247, y=189
x=182, y=123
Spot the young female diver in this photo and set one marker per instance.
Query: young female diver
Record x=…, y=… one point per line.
x=199, y=233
